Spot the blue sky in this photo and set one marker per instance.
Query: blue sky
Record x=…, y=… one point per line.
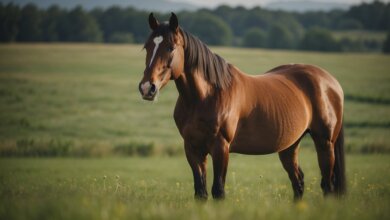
x=251, y=3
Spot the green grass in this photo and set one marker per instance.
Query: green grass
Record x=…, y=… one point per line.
x=135, y=188
x=86, y=96
x=83, y=93
x=82, y=100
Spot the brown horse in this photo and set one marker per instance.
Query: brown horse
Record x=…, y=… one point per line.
x=220, y=109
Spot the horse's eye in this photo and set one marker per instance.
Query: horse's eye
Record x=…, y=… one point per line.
x=169, y=49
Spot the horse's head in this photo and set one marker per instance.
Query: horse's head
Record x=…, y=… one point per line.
x=164, y=56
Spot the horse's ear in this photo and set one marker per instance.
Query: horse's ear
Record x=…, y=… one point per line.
x=173, y=22
x=153, y=23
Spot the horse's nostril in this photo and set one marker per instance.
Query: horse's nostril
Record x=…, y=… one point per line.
x=153, y=89
x=140, y=87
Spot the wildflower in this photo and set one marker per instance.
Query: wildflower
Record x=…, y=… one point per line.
x=301, y=206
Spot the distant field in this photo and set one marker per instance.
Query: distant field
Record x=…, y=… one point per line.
x=82, y=99
x=361, y=35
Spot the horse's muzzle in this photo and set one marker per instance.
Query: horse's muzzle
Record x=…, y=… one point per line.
x=148, y=90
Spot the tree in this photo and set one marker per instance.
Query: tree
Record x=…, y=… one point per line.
x=224, y=25
x=386, y=44
x=371, y=15
x=9, y=20
x=313, y=19
x=136, y=23
x=110, y=21
x=254, y=18
x=50, y=23
x=319, y=39
x=30, y=24
x=255, y=37
x=234, y=17
x=291, y=24
x=385, y=19
x=79, y=26
x=280, y=37
x=211, y=29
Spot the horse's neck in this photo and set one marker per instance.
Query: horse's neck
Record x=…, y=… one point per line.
x=193, y=87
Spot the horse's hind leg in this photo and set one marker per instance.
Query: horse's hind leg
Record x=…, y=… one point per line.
x=326, y=161
x=289, y=159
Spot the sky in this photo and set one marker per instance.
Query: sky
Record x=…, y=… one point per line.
x=251, y=3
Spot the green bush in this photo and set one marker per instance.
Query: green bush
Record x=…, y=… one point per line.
x=280, y=37
x=349, y=24
x=386, y=44
x=173, y=151
x=319, y=39
x=135, y=149
x=255, y=37
x=27, y=147
x=374, y=148
x=121, y=37
x=350, y=45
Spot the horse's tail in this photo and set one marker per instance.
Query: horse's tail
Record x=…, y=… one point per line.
x=339, y=166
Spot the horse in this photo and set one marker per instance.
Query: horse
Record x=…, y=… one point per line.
x=221, y=110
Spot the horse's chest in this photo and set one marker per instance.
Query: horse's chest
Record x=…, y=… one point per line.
x=197, y=128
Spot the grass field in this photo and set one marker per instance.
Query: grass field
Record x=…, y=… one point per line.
x=82, y=100
x=135, y=188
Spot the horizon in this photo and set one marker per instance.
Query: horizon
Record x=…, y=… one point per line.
x=263, y=3
x=196, y=3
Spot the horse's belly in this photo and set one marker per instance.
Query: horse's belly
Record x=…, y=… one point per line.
x=257, y=139
x=255, y=144
x=251, y=148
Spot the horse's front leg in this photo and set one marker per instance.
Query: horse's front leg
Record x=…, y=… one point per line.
x=197, y=161
x=220, y=155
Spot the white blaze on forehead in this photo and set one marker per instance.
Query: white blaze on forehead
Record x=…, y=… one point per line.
x=157, y=40
x=145, y=87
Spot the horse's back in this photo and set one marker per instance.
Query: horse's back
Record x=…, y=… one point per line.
x=315, y=82
x=307, y=77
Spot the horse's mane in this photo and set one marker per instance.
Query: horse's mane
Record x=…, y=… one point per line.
x=199, y=57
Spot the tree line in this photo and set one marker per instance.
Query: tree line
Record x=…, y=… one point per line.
x=224, y=25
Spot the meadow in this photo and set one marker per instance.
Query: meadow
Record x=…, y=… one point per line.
x=71, y=113
x=161, y=188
